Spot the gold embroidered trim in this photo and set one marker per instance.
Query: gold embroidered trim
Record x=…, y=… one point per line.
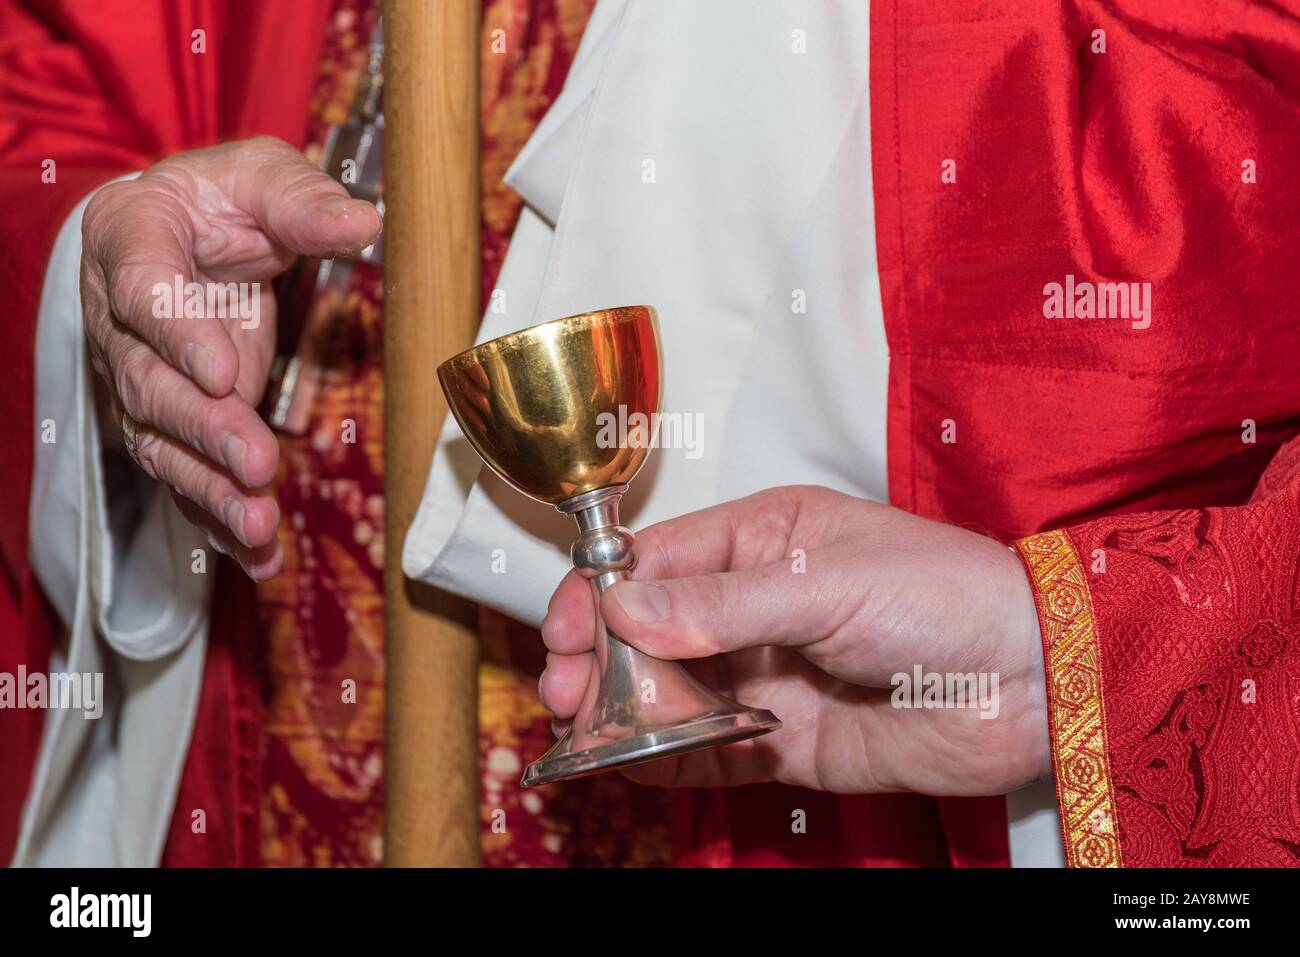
x=1076, y=718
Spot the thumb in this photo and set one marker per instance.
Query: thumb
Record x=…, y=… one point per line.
x=298, y=205
x=710, y=614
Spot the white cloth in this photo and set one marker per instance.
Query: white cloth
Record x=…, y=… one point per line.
x=1034, y=826
x=132, y=608
x=762, y=191
x=761, y=194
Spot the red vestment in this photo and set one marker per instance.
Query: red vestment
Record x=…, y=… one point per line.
x=1158, y=150
x=1122, y=165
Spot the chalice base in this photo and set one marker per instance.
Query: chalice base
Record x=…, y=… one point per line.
x=724, y=725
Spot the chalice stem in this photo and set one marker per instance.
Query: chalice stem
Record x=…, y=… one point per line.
x=636, y=708
x=605, y=554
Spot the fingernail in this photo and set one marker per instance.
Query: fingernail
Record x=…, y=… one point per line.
x=233, y=511
x=642, y=601
x=558, y=727
x=233, y=449
x=197, y=361
x=263, y=570
x=216, y=545
x=338, y=205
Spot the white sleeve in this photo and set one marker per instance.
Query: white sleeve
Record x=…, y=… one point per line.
x=137, y=549
x=663, y=174
x=130, y=580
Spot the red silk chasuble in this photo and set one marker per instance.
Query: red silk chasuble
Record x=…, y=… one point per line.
x=1149, y=142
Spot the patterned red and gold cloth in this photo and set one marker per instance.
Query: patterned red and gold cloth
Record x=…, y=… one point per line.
x=1173, y=680
x=1168, y=603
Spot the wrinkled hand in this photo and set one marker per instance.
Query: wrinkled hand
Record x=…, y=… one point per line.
x=239, y=212
x=881, y=592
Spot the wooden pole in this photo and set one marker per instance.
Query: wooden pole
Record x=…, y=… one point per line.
x=431, y=278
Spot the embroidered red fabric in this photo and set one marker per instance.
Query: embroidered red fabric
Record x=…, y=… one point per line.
x=1198, y=621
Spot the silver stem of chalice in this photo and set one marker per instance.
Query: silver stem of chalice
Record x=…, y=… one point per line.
x=636, y=708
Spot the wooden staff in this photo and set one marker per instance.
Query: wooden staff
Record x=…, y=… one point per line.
x=431, y=278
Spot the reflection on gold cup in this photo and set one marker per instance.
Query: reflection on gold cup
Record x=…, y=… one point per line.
x=532, y=403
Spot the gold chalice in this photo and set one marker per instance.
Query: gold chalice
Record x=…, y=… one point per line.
x=532, y=404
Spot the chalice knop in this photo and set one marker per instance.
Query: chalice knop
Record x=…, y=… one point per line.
x=534, y=404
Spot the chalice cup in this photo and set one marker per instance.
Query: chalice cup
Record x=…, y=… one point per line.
x=542, y=408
